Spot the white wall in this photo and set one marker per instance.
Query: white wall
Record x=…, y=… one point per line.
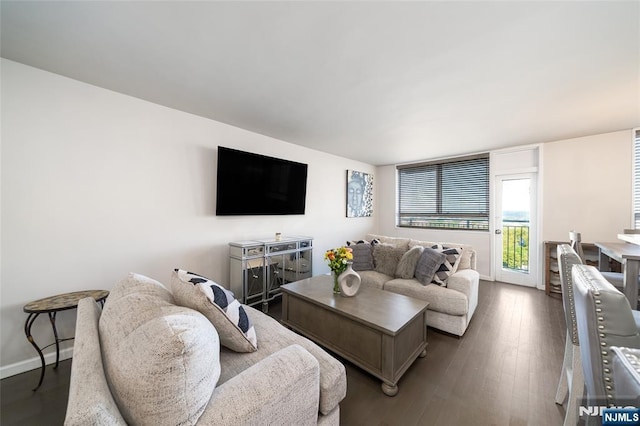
x=96, y=184
x=587, y=186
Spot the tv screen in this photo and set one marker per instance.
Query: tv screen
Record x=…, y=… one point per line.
x=254, y=184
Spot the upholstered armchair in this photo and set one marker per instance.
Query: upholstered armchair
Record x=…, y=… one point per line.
x=571, y=378
x=604, y=319
x=626, y=376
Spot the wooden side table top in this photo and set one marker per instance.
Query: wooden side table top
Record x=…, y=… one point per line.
x=64, y=301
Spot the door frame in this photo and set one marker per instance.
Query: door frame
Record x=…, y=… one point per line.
x=529, y=279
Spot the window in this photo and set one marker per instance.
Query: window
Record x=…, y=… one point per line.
x=636, y=179
x=451, y=194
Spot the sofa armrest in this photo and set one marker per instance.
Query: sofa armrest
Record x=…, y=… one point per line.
x=90, y=401
x=283, y=388
x=467, y=282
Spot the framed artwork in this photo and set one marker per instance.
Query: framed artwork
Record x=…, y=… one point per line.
x=359, y=194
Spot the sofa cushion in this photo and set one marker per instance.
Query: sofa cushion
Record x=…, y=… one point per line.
x=386, y=257
x=448, y=267
x=272, y=337
x=362, y=256
x=428, y=264
x=140, y=287
x=374, y=279
x=407, y=265
x=440, y=299
x=216, y=303
x=161, y=361
x=395, y=241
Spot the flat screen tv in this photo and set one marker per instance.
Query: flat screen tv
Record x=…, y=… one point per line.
x=254, y=184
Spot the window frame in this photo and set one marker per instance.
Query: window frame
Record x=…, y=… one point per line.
x=635, y=204
x=446, y=218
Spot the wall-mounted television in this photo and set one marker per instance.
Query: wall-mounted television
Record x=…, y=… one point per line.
x=254, y=184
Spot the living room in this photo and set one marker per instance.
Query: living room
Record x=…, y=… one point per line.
x=97, y=183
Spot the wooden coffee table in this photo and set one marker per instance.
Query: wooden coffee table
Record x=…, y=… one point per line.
x=379, y=331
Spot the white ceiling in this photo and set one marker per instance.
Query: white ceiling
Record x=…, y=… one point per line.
x=379, y=82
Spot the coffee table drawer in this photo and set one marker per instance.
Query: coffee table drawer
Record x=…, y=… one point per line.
x=338, y=333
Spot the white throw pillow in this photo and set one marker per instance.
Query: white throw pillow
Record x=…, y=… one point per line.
x=219, y=306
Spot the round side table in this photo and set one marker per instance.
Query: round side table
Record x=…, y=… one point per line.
x=50, y=306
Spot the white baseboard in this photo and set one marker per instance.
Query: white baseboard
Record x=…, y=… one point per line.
x=33, y=363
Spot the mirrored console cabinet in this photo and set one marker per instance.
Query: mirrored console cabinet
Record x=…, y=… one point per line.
x=259, y=267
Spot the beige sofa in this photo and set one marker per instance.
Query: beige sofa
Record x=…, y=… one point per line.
x=451, y=307
x=163, y=365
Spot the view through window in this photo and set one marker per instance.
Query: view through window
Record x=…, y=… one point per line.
x=516, y=214
x=448, y=194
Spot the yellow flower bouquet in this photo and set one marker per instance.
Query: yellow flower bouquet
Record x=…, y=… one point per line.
x=338, y=259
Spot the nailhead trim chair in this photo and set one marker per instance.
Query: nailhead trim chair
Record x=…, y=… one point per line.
x=604, y=319
x=626, y=376
x=571, y=378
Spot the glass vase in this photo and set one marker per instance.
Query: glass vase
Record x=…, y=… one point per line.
x=336, y=284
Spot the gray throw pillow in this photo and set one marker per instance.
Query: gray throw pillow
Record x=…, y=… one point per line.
x=428, y=264
x=362, y=257
x=407, y=266
x=386, y=258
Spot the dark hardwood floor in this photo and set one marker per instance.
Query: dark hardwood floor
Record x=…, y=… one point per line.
x=504, y=371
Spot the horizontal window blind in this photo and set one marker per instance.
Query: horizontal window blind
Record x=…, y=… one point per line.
x=636, y=179
x=452, y=194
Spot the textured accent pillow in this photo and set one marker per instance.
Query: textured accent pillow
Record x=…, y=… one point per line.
x=431, y=244
x=219, y=306
x=354, y=242
x=139, y=284
x=386, y=258
x=429, y=262
x=161, y=361
x=362, y=257
x=406, y=268
x=467, y=253
x=394, y=241
x=449, y=266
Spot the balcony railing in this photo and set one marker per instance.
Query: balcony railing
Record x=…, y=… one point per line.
x=515, y=245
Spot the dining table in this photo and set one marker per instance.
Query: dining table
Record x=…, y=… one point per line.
x=628, y=254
